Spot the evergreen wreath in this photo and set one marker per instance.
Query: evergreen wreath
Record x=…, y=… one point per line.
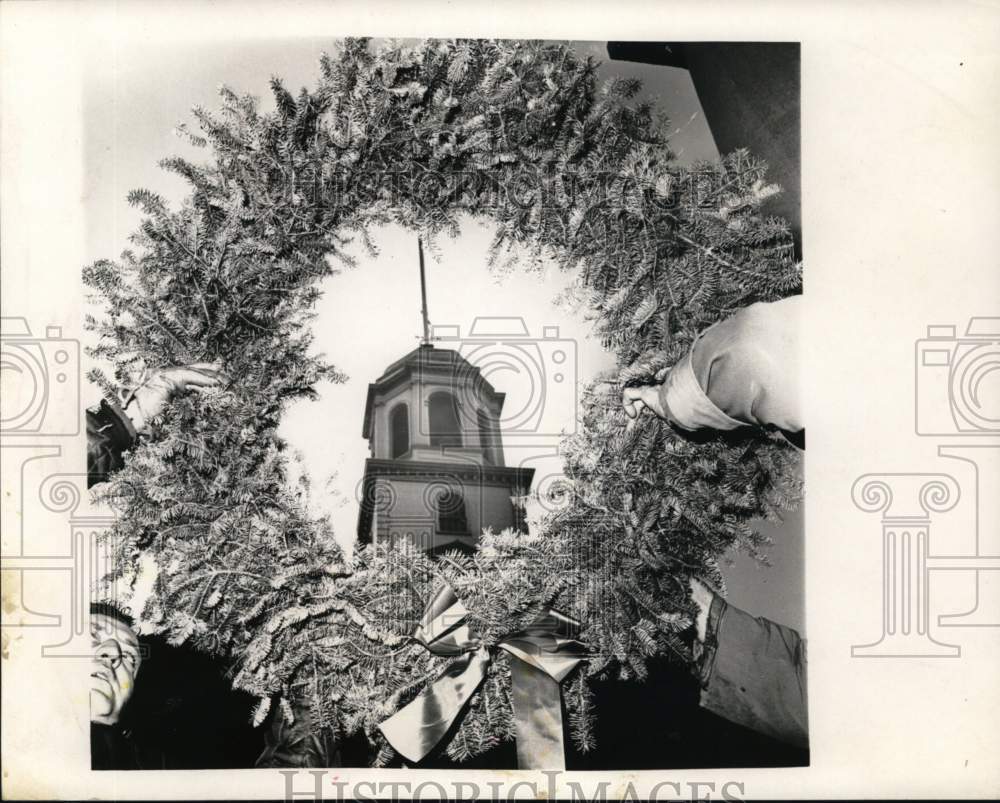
x=514, y=132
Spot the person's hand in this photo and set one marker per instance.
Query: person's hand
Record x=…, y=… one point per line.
x=643, y=397
x=702, y=596
x=149, y=399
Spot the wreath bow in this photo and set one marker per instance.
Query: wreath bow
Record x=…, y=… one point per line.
x=544, y=654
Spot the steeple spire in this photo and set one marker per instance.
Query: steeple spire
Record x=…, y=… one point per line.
x=423, y=296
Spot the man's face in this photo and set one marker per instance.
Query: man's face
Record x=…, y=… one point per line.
x=113, y=669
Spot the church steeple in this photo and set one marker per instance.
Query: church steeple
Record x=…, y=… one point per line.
x=436, y=474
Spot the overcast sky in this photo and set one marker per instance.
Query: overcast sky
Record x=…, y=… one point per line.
x=138, y=92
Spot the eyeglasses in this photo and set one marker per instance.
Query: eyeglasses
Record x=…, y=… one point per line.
x=110, y=652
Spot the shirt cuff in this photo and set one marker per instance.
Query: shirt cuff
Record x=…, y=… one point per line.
x=705, y=656
x=686, y=403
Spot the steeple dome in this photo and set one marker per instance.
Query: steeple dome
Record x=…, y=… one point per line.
x=432, y=404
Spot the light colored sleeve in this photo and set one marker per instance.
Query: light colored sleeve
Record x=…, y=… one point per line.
x=741, y=371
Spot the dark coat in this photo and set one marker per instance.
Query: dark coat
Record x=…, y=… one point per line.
x=183, y=715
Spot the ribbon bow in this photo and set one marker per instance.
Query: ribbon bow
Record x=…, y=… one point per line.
x=545, y=653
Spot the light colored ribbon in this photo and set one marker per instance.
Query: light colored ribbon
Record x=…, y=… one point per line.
x=545, y=653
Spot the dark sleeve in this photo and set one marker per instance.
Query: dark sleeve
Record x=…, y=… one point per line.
x=296, y=745
x=109, y=435
x=109, y=749
x=753, y=673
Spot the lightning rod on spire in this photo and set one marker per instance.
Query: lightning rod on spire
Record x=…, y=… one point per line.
x=423, y=295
